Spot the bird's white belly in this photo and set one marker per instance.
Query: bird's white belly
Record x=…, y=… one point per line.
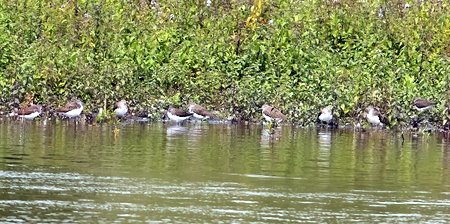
x=177, y=118
x=30, y=116
x=73, y=113
x=375, y=120
x=325, y=117
x=198, y=116
x=269, y=119
x=121, y=111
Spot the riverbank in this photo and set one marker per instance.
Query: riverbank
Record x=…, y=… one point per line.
x=227, y=57
x=359, y=124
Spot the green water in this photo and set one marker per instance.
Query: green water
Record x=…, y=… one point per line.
x=197, y=173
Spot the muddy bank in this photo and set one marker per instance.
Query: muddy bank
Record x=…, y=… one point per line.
x=422, y=123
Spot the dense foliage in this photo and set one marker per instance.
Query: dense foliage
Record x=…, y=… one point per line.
x=230, y=55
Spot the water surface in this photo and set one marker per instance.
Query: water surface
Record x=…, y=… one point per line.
x=61, y=172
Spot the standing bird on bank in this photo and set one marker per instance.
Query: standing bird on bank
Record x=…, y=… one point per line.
x=374, y=116
x=178, y=115
x=30, y=112
x=326, y=114
x=423, y=105
x=121, y=108
x=71, y=109
x=272, y=114
x=199, y=111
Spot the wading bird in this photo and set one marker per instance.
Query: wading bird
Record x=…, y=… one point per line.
x=178, y=115
x=326, y=114
x=375, y=118
x=272, y=114
x=423, y=105
x=71, y=109
x=199, y=111
x=121, y=108
x=30, y=112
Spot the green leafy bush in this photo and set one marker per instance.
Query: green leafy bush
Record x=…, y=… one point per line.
x=298, y=55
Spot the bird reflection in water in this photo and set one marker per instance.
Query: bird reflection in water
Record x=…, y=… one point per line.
x=324, y=149
x=269, y=136
x=175, y=130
